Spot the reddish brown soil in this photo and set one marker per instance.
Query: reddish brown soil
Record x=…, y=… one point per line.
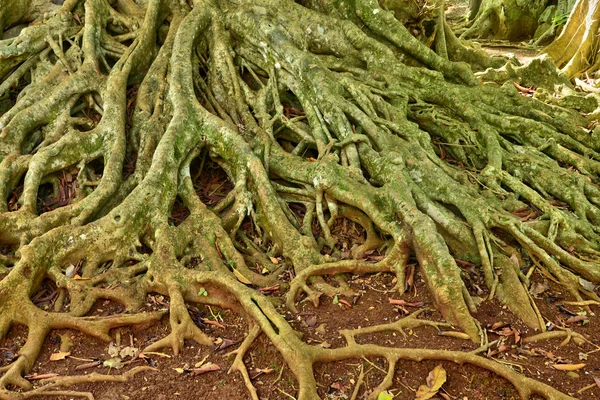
x=320, y=326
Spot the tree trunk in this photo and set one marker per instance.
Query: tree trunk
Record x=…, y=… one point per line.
x=118, y=113
x=505, y=19
x=576, y=50
x=474, y=6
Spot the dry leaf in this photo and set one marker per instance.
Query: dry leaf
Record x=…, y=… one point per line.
x=274, y=260
x=435, y=380
x=321, y=329
x=128, y=351
x=241, y=277
x=577, y=318
x=201, y=362
x=538, y=288
x=406, y=303
x=113, y=350
x=225, y=343
x=113, y=363
x=37, y=377
x=498, y=325
x=61, y=355
x=567, y=367
x=264, y=370
x=208, y=367
x=587, y=285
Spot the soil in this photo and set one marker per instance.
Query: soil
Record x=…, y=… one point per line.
x=173, y=377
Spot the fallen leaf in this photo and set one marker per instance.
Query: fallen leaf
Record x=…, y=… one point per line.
x=128, y=351
x=225, y=343
x=577, y=318
x=179, y=370
x=311, y=320
x=597, y=381
x=324, y=345
x=567, y=367
x=264, y=370
x=274, y=260
x=321, y=329
x=115, y=363
x=587, y=285
x=345, y=303
x=113, y=350
x=61, y=355
x=435, y=380
x=406, y=303
x=538, y=288
x=335, y=299
x=199, y=363
x=241, y=277
x=37, y=377
x=211, y=322
x=385, y=396
x=208, y=367
x=498, y=325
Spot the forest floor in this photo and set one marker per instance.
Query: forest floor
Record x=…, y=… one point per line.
x=175, y=378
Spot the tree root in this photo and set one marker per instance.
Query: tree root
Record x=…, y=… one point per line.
x=314, y=113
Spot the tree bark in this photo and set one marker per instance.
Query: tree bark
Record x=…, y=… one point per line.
x=318, y=117
x=575, y=51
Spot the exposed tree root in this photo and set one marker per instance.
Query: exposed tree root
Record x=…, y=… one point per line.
x=310, y=107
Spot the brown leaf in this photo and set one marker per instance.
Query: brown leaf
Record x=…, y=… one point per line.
x=406, y=303
x=265, y=370
x=517, y=335
x=211, y=322
x=435, y=380
x=597, y=381
x=240, y=277
x=498, y=325
x=345, y=303
x=538, y=288
x=311, y=320
x=61, y=355
x=36, y=377
x=576, y=318
x=208, y=367
x=225, y=343
x=269, y=289
x=567, y=367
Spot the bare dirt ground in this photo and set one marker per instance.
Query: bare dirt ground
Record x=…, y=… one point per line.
x=173, y=377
